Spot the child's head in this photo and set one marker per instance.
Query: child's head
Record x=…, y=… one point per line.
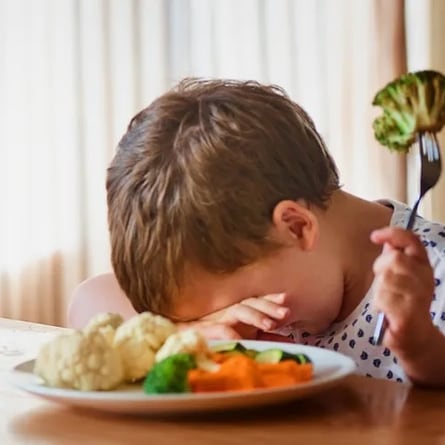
x=199, y=182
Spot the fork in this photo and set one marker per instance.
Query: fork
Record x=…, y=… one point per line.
x=430, y=170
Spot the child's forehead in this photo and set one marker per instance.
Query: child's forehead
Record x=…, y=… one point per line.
x=203, y=292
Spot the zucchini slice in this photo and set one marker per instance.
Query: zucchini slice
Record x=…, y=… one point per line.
x=229, y=347
x=277, y=355
x=251, y=353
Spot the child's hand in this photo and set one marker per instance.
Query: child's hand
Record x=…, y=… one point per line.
x=246, y=319
x=212, y=330
x=404, y=290
x=263, y=313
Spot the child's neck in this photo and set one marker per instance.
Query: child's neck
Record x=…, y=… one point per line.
x=355, y=219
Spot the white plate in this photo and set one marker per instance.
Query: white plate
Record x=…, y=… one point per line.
x=329, y=368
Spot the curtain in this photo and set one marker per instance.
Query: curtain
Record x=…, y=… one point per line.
x=425, y=38
x=73, y=73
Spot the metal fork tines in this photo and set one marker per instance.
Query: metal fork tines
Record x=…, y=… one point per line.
x=430, y=170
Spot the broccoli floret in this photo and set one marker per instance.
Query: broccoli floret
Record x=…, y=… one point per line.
x=412, y=103
x=170, y=375
x=389, y=133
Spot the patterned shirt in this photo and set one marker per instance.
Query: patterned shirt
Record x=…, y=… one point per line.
x=353, y=336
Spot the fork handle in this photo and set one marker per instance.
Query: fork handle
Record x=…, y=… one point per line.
x=413, y=214
x=380, y=329
x=382, y=324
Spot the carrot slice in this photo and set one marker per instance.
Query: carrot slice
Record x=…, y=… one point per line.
x=221, y=357
x=239, y=372
x=301, y=372
x=285, y=373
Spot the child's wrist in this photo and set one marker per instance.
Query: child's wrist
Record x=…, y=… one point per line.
x=415, y=342
x=407, y=336
x=423, y=363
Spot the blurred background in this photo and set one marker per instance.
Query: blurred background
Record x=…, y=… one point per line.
x=74, y=72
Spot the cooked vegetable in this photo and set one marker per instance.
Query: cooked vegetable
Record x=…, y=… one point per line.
x=138, y=340
x=285, y=373
x=388, y=133
x=277, y=355
x=188, y=342
x=240, y=372
x=229, y=347
x=170, y=375
x=412, y=103
x=106, y=323
x=84, y=361
x=235, y=348
x=251, y=353
x=109, y=352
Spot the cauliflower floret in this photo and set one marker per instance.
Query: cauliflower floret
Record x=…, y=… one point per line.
x=188, y=342
x=84, y=361
x=106, y=323
x=138, y=340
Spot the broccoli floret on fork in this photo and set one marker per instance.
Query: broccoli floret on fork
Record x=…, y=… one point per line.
x=413, y=103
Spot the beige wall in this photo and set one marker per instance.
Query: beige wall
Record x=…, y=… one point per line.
x=426, y=50
x=437, y=55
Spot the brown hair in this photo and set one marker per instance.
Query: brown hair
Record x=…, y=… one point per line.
x=196, y=178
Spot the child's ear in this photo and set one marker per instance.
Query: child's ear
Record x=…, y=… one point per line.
x=295, y=223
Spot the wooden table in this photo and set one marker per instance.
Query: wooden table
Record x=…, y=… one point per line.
x=359, y=411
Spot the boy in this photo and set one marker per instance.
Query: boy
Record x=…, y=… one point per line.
x=225, y=210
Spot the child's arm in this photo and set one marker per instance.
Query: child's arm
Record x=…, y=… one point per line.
x=248, y=319
x=404, y=290
x=243, y=320
x=260, y=313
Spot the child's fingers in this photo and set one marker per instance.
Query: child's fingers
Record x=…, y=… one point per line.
x=402, y=239
x=398, y=284
x=259, y=312
x=397, y=261
x=240, y=313
x=267, y=307
x=404, y=315
x=281, y=298
x=250, y=316
x=398, y=313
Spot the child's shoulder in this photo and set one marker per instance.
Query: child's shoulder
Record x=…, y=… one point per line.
x=431, y=233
